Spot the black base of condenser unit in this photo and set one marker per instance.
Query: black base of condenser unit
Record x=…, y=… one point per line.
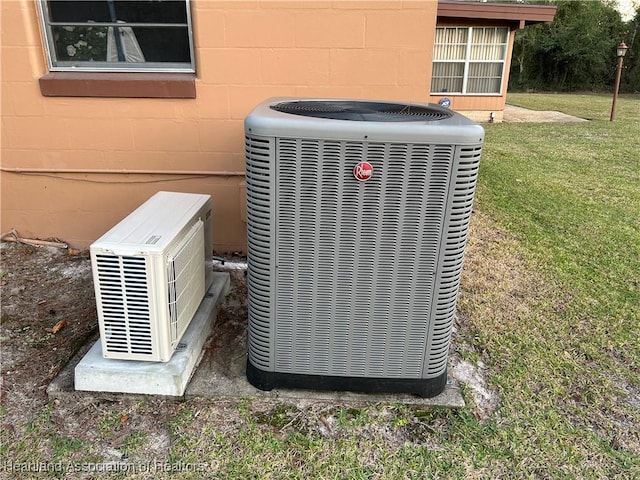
x=423, y=387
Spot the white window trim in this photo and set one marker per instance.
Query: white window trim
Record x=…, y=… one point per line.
x=467, y=61
x=112, y=67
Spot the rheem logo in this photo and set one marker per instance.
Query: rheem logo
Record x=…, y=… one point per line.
x=363, y=171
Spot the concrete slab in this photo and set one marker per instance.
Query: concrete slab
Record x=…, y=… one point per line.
x=513, y=114
x=220, y=373
x=222, y=370
x=97, y=374
x=213, y=381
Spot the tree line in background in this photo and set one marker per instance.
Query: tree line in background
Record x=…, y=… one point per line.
x=577, y=52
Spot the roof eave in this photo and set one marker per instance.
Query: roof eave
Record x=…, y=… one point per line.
x=516, y=15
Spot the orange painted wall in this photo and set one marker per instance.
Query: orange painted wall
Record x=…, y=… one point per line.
x=247, y=51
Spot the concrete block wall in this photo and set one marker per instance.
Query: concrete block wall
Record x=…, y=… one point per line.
x=72, y=167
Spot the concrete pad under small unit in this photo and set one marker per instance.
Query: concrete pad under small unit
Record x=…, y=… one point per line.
x=98, y=374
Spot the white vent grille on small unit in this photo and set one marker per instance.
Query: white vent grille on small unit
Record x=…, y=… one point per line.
x=184, y=273
x=124, y=295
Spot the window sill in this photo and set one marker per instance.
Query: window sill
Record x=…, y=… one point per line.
x=119, y=85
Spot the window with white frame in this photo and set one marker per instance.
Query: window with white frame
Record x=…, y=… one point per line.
x=118, y=35
x=469, y=60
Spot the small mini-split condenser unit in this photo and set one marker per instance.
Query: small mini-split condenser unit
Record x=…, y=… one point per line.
x=357, y=219
x=150, y=273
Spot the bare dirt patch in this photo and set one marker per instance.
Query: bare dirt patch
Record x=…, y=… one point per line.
x=43, y=286
x=44, y=290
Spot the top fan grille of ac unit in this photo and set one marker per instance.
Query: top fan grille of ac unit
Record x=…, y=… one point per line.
x=361, y=111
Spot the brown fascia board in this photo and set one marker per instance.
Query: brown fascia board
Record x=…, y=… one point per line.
x=510, y=13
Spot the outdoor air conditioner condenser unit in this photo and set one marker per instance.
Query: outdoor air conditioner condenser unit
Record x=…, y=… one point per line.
x=357, y=219
x=150, y=273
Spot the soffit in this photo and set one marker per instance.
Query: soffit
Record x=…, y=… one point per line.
x=515, y=15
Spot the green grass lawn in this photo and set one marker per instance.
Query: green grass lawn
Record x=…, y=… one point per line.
x=569, y=373
x=550, y=306
x=563, y=355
